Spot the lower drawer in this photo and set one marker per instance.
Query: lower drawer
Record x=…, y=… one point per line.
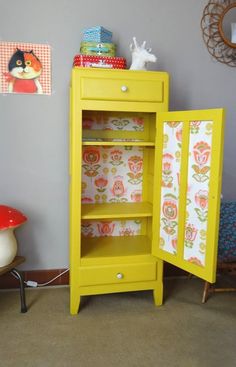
x=126, y=273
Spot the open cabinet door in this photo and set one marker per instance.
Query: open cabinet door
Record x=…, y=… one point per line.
x=189, y=152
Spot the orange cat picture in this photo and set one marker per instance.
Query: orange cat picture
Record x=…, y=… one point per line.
x=24, y=70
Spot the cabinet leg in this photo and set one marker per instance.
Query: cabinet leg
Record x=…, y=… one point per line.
x=74, y=301
x=158, y=295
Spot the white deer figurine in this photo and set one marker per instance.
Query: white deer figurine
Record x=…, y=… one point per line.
x=140, y=56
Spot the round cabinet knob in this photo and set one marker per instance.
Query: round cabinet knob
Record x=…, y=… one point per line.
x=124, y=88
x=119, y=275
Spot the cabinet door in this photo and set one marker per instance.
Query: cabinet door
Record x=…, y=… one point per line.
x=189, y=151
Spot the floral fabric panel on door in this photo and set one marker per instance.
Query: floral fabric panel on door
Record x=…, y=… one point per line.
x=171, y=161
x=198, y=190
x=111, y=228
x=112, y=175
x=104, y=121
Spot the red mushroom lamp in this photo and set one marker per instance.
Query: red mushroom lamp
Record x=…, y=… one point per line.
x=10, y=219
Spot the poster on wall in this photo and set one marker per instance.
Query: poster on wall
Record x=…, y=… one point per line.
x=25, y=68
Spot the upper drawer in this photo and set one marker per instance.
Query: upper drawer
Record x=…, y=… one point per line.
x=122, y=89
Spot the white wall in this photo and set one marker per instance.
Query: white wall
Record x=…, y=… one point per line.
x=34, y=129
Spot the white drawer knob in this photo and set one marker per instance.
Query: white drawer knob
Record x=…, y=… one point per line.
x=119, y=275
x=124, y=88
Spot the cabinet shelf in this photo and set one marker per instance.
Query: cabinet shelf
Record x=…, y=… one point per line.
x=116, y=210
x=119, y=143
x=114, y=249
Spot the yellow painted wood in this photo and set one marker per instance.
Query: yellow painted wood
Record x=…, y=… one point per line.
x=122, y=89
x=75, y=195
x=147, y=134
x=148, y=107
x=120, y=273
x=158, y=290
x=98, y=90
x=105, y=250
x=120, y=143
x=117, y=288
x=208, y=272
x=110, y=135
x=116, y=210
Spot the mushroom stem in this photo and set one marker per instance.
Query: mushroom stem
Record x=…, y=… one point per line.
x=8, y=246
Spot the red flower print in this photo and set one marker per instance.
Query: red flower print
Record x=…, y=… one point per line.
x=173, y=123
x=87, y=123
x=91, y=156
x=138, y=124
x=86, y=200
x=136, y=195
x=190, y=232
x=170, y=211
x=167, y=159
x=195, y=260
x=138, y=121
x=201, y=152
x=116, y=156
x=169, y=208
x=118, y=188
x=135, y=164
x=195, y=123
x=201, y=199
x=167, y=179
x=190, y=235
x=174, y=243
x=178, y=134
x=106, y=228
x=101, y=183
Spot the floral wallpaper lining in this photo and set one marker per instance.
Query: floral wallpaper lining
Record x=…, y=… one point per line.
x=198, y=179
x=115, y=174
x=171, y=161
x=112, y=175
x=198, y=191
x=111, y=228
x=104, y=121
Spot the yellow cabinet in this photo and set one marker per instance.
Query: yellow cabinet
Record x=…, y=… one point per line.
x=145, y=184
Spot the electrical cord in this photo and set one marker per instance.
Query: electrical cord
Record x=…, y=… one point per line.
x=33, y=284
x=52, y=280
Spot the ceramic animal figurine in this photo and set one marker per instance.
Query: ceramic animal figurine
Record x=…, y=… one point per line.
x=141, y=56
x=24, y=69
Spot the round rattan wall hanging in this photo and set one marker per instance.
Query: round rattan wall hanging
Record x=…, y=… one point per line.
x=213, y=25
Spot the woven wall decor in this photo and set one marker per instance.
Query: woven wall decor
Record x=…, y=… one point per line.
x=212, y=31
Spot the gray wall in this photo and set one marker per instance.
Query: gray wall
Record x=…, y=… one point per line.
x=34, y=129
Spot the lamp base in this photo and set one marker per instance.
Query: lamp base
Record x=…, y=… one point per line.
x=8, y=247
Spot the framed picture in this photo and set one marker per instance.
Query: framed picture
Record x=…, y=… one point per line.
x=25, y=68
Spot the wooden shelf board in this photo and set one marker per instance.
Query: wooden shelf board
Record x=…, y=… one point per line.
x=119, y=143
x=116, y=210
x=100, y=250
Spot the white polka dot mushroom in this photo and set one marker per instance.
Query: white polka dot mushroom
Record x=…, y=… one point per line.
x=10, y=219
